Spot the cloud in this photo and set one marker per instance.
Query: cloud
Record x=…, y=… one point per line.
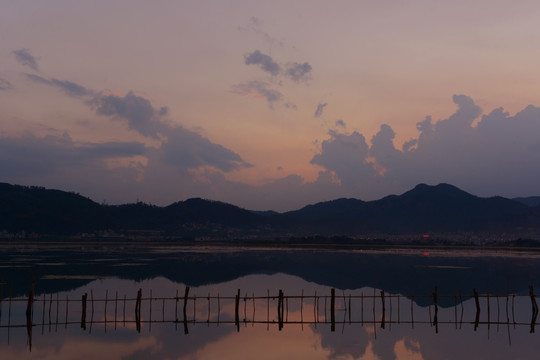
x=499, y=156
x=68, y=87
x=290, y=105
x=29, y=156
x=186, y=149
x=136, y=110
x=258, y=89
x=255, y=25
x=265, y=62
x=340, y=123
x=24, y=58
x=182, y=148
x=139, y=113
x=298, y=72
x=319, y=110
x=5, y=85
x=346, y=155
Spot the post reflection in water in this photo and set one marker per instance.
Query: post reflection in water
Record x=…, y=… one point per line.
x=369, y=311
x=272, y=315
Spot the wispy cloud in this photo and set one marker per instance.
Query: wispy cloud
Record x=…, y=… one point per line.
x=182, y=148
x=255, y=25
x=24, y=58
x=319, y=110
x=5, y=85
x=340, y=123
x=258, y=89
x=297, y=72
x=68, y=87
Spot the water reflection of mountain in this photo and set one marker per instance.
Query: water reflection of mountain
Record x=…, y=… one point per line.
x=61, y=269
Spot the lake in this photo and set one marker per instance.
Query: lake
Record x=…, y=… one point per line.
x=163, y=301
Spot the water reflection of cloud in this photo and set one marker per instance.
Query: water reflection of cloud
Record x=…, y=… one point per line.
x=407, y=349
x=80, y=348
x=257, y=343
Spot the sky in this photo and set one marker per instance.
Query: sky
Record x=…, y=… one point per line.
x=269, y=105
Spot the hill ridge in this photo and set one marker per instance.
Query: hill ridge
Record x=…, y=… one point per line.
x=423, y=209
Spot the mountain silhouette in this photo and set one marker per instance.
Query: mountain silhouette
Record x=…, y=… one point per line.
x=425, y=209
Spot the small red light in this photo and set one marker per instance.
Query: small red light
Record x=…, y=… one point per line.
x=426, y=254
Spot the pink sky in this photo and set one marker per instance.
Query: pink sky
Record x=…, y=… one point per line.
x=269, y=105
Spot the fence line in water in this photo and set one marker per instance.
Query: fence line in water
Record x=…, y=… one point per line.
x=363, y=304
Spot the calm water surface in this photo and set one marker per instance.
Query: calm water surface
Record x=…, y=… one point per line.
x=405, y=325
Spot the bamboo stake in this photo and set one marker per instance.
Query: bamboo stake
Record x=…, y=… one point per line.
x=83, y=312
x=124, y=311
x=383, y=309
x=477, y=303
x=236, y=305
x=176, y=306
x=194, y=308
x=67, y=307
x=43, y=312
x=9, y=309
x=208, y=320
x=498, y=310
x=412, y=309
x=30, y=303
x=57, y=308
x=350, y=309
x=150, y=313
x=333, y=310
x=115, y=309
x=398, y=316
x=302, y=309
x=184, y=309
x=253, y=323
x=105, y=310
x=362, y=305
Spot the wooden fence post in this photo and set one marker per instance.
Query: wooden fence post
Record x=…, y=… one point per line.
x=83, y=314
x=333, y=309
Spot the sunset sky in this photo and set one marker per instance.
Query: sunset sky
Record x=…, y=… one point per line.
x=269, y=104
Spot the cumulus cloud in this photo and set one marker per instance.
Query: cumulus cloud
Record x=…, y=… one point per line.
x=5, y=85
x=258, y=89
x=346, y=155
x=265, y=62
x=24, y=58
x=68, y=87
x=499, y=156
x=319, y=110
